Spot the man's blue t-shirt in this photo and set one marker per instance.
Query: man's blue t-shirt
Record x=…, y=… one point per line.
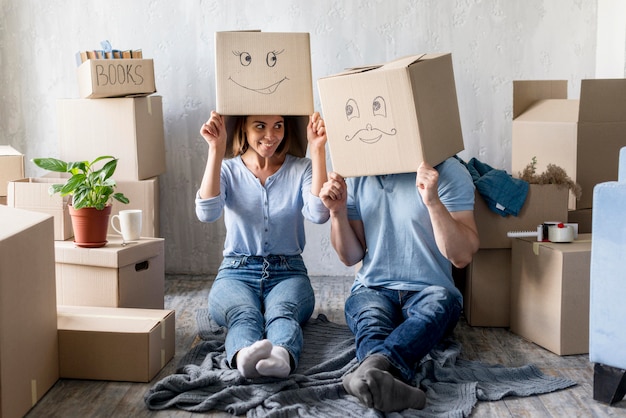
x=401, y=250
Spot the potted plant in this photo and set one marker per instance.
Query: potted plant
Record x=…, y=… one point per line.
x=92, y=191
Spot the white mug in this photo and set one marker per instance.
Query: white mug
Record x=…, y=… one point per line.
x=130, y=224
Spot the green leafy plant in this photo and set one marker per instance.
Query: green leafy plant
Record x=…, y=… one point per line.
x=88, y=186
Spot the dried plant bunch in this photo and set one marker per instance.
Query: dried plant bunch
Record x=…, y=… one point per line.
x=553, y=175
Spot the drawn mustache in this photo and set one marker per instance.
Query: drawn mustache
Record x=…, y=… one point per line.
x=369, y=130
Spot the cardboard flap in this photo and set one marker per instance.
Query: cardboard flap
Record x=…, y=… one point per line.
x=527, y=92
x=105, y=319
x=551, y=110
x=403, y=62
x=603, y=100
x=355, y=70
x=263, y=73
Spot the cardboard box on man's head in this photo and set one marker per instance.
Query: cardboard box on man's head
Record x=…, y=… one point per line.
x=385, y=119
x=264, y=73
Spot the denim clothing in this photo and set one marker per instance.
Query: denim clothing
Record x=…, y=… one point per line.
x=262, y=297
x=403, y=300
x=403, y=326
x=264, y=219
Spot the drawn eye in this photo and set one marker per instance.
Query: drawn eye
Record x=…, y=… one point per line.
x=245, y=59
x=379, y=107
x=271, y=59
x=352, y=109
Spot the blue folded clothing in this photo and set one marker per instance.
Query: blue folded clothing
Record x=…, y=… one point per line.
x=503, y=194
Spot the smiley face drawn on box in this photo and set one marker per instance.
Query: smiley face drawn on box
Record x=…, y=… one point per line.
x=263, y=73
x=371, y=124
x=253, y=68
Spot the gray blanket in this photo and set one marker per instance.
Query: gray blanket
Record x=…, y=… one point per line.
x=204, y=382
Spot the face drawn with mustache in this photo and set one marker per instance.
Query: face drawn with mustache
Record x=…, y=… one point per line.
x=268, y=64
x=369, y=134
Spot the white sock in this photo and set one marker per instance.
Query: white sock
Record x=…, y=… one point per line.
x=278, y=364
x=248, y=358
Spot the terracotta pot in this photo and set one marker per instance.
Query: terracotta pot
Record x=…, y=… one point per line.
x=90, y=226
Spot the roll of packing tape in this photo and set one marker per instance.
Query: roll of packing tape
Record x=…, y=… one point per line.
x=563, y=234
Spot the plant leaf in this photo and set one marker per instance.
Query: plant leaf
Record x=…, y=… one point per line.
x=51, y=164
x=121, y=198
x=108, y=169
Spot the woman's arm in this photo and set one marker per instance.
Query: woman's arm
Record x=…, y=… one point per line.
x=316, y=136
x=214, y=133
x=347, y=237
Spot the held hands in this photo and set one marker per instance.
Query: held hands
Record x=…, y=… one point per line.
x=316, y=130
x=214, y=132
x=426, y=181
x=334, y=193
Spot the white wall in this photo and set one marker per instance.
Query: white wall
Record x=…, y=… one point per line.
x=492, y=42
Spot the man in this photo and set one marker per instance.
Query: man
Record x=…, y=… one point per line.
x=408, y=230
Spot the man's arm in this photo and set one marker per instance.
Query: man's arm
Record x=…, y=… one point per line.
x=456, y=233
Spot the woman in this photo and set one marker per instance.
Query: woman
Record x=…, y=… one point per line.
x=262, y=292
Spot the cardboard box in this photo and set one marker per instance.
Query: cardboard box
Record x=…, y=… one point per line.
x=3, y=200
x=550, y=293
x=99, y=78
x=581, y=136
x=261, y=73
x=269, y=75
x=33, y=194
x=129, y=345
x=130, y=129
x=144, y=195
x=486, y=300
x=582, y=217
x=544, y=203
x=385, y=119
x=11, y=167
x=29, y=363
x=130, y=276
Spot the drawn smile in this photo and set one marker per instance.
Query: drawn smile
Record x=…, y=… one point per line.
x=264, y=90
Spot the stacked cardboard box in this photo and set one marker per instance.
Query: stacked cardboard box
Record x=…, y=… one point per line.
x=28, y=329
x=550, y=293
x=582, y=136
x=487, y=280
x=33, y=194
x=11, y=168
x=111, y=316
x=109, y=301
x=129, y=275
x=118, y=344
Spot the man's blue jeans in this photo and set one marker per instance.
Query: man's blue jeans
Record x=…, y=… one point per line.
x=262, y=297
x=403, y=326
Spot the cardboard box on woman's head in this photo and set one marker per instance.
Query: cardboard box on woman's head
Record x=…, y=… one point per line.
x=385, y=119
x=264, y=73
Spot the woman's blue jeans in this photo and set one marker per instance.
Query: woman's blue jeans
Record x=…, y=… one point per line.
x=403, y=326
x=262, y=297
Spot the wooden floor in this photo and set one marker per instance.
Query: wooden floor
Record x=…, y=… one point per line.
x=186, y=294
